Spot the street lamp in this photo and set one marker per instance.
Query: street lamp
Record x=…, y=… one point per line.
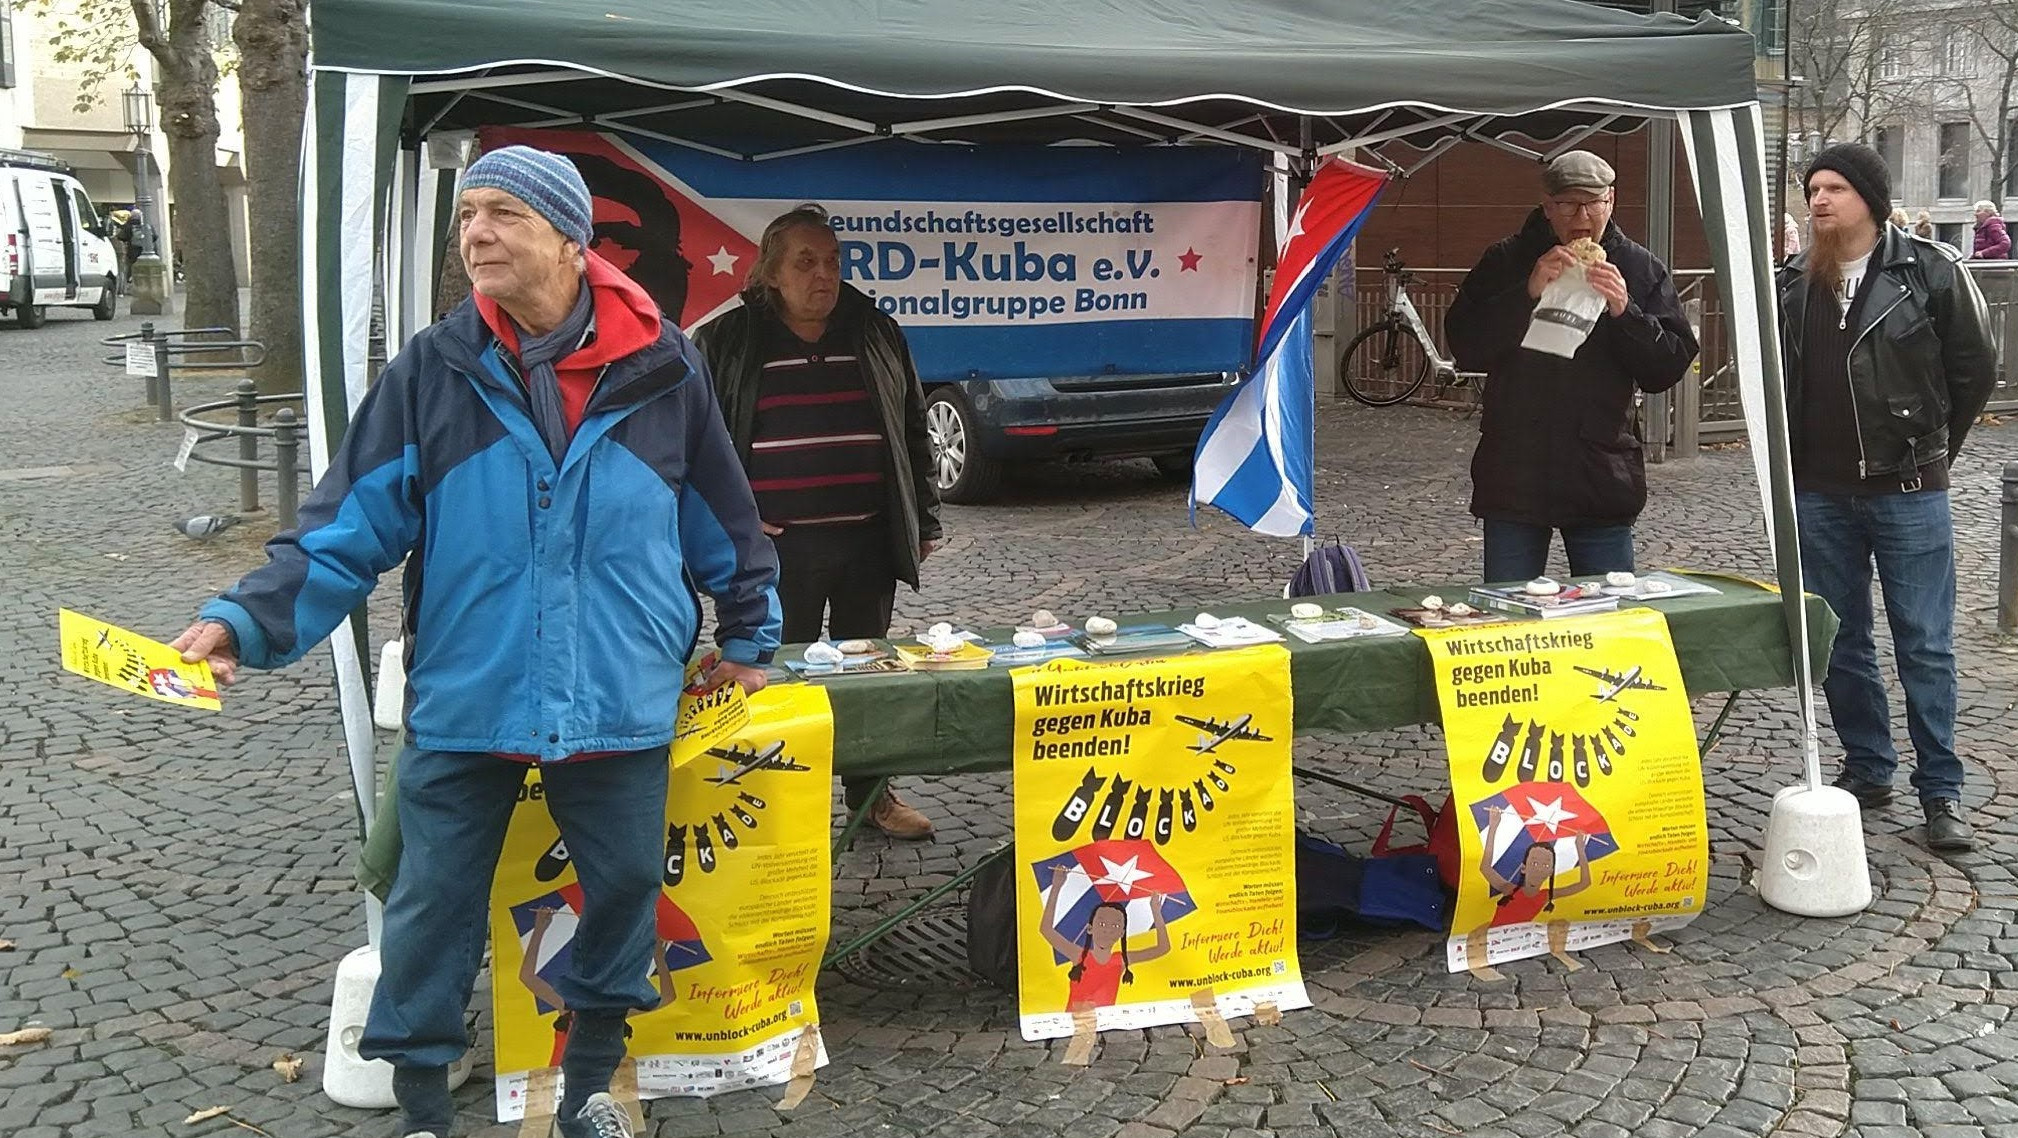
x=150, y=279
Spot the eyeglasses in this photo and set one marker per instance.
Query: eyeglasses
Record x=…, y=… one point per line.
x=1590, y=208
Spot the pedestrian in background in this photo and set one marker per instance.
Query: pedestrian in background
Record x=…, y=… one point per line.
x=1993, y=241
x=820, y=395
x=1889, y=360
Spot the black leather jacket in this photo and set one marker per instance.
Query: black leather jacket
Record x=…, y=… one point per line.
x=733, y=344
x=1923, y=363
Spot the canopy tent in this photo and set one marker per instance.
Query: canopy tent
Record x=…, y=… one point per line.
x=756, y=79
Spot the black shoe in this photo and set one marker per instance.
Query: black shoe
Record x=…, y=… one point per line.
x=1867, y=793
x=1947, y=830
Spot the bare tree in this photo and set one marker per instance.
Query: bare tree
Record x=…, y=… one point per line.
x=272, y=39
x=1977, y=74
x=1849, y=55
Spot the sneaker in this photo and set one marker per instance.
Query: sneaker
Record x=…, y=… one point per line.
x=1867, y=793
x=601, y=1117
x=1947, y=830
x=899, y=819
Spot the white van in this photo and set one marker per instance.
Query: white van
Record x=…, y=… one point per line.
x=54, y=248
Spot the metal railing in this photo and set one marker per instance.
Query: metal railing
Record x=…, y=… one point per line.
x=286, y=435
x=1708, y=407
x=154, y=355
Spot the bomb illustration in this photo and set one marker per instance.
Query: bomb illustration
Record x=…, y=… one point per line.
x=755, y=802
x=1617, y=747
x=1204, y=795
x=1598, y=752
x=748, y=819
x=1555, y=757
x=1164, y=800
x=1580, y=761
x=551, y=863
x=729, y=839
x=1502, y=750
x=676, y=854
x=704, y=849
x=1531, y=752
x=1138, y=818
x=1110, y=809
x=1075, y=808
x=1625, y=727
x=1222, y=764
x=1187, y=813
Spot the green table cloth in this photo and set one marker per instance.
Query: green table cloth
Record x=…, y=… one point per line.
x=935, y=723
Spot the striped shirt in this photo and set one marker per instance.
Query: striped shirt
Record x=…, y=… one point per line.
x=817, y=452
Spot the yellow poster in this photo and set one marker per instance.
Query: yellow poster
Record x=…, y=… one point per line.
x=1577, y=784
x=133, y=663
x=1155, y=834
x=705, y=720
x=742, y=917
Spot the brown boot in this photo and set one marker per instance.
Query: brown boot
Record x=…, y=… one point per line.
x=899, y=819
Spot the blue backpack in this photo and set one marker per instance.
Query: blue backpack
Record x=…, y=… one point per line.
x=1329, y=569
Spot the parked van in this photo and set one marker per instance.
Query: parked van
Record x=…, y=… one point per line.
x=54, y=248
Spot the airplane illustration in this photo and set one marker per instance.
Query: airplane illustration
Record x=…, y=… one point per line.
x=1215, y=732
x=747, y=759
x=1611, y=683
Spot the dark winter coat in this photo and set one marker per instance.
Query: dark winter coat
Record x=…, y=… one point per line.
x=1556, y=443
x=734, y=345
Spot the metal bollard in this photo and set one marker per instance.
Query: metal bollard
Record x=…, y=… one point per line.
x=248, y=445
x=284, y=446
x=147, y=337
x=2007, y=554
x=162, y=400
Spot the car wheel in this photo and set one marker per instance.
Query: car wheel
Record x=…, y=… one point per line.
x=30, y=315
x=108, y=301
x=959, y=470
x=1176, y=467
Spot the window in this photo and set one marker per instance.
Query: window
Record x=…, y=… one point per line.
x=1958, y=57
x=6, y=43
x=1767, y=29
x=1958, y=234
x=1954, y=160
x=87, y=214
x=217, y=22
x=1890, y=143
x=1892, y=62
x=2011, y=159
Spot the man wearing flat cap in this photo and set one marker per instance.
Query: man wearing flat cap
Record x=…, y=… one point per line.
x=551, y=456
x=1557, y=451
x=1888, y=360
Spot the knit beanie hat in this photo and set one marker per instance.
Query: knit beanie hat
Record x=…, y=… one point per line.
x=549, y=183
x=1860, y=166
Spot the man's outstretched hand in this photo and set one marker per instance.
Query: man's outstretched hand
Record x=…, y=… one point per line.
x=726, y=671
x=210, y=641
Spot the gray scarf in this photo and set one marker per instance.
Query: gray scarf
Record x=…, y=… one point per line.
x=539, y=354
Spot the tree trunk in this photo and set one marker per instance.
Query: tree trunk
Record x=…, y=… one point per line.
x=272, y=39
x=186, y=73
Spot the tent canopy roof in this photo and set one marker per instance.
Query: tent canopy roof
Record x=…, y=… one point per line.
x=872, y=61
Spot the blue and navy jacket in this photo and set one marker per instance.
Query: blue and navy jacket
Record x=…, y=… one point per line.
x=549, y=611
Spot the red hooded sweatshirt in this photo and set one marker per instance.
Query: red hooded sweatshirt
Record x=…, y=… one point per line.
x=627, y=321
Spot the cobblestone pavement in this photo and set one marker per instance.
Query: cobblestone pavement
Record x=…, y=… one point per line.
x=178, y=889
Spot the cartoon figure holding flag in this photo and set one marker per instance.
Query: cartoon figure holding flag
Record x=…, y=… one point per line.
x=1100, y=957
x=1533, y=889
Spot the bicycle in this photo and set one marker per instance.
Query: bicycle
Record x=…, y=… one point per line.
x=1399, y=354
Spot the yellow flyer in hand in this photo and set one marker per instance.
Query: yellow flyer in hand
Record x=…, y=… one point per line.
x=1577, y=784
x=133, y=663
x=706, y=721
x=1155, y=833
x=742, y=918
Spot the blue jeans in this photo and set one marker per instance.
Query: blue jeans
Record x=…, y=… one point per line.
x=1912, y=540
x=453, y=809
x=1519, y=551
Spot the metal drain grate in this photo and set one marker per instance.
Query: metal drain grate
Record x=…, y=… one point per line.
x=927, y=951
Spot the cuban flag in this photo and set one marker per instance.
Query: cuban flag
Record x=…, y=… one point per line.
x=684, y=948
x=1124, y=871
x=1255, y=460
x=1543, y=812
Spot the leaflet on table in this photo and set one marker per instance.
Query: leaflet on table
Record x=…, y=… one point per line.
x=1231, y=632
x=741, y=924
x=1580, y=793
x=878, y=663
x=1154, y=822
x=1653, y=586
x=1135, y=640
x=1572, y=601
x=1055, y=648
x=1342, y=623
x=969, y=656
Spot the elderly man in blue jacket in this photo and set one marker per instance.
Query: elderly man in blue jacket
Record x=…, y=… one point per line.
x=552, y=459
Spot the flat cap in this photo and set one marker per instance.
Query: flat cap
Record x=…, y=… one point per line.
x=1577, y=170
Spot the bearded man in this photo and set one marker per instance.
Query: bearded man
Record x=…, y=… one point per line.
x=1889, y=359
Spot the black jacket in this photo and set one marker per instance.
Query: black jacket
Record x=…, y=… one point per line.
x=1923, y=363
x=734, y=345
x=1556, y=444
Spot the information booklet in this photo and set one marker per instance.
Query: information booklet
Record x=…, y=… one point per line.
x=968, y=657
x=1572, y=601
x=1342, y=623
x=1231, y=632
x=862, y=664
x=1135, y=640
x=1055, y=648
x=1653, y=587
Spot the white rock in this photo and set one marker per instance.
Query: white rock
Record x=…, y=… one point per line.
x=1542, y=587
x=1659, y=587
x=1027, y=638
x=946, y=643
x=856, y=647
x=1205, y=620
x=821, y=652
x=1306, y=611
x=1042, y=618
x=1461, y=609
x=1620, y=580
x=1101, y=626
x=1432, y=602
x=940, y=629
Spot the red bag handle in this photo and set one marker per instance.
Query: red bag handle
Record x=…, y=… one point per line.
x=1423, y=810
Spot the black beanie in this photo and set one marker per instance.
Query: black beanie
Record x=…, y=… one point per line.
x=1863, y=168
